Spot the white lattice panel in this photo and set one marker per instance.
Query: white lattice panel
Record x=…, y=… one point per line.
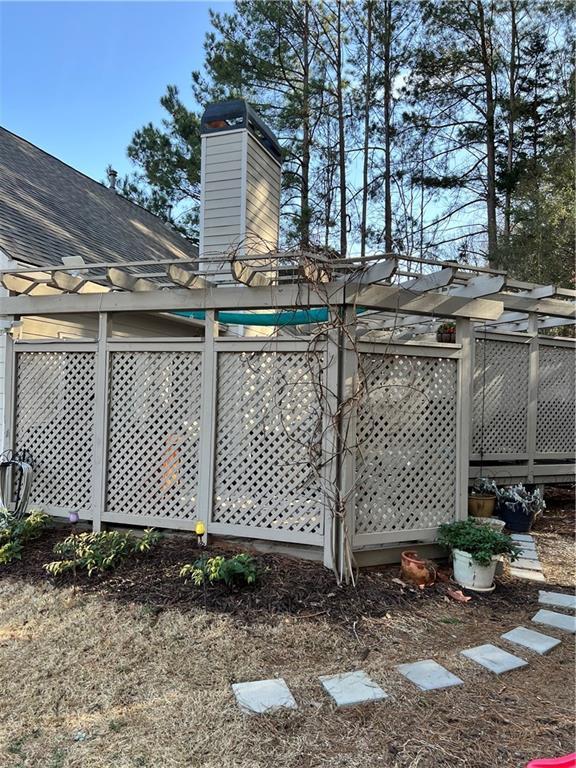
x=556, y=419
x=406, y=431
x=500, y=415
x=154, y=430
x=54, y=423
x=268, y=420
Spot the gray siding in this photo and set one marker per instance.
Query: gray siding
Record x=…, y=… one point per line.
x=241, y=195
x=221, y=214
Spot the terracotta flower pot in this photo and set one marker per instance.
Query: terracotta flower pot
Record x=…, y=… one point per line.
x=416, y=570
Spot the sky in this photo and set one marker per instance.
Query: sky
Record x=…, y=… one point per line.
x=78, y=78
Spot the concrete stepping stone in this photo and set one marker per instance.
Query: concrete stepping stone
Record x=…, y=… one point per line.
x=528, y=554
x=527, y=545
x=556, y=620
x=527, y=565
x=494, y=658
x=526, y=574
x=557, y=599
x=529, y=638
x=521, y=537
x=263, y=696
x=351, y=688
x=428, y=675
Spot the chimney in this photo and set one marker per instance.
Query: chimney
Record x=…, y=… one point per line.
x=240, y=184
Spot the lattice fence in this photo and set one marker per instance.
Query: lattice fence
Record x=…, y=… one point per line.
x=406, y=427
x=556, y=415
x=268, y=418
x=54, y=422
x=501, y=374
x=154, y=430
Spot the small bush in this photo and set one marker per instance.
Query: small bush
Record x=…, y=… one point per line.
x=480, y=541
x=98, y=552
x=15, y=532
x=240, y=569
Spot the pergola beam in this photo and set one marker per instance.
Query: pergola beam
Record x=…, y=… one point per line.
x=383, y=297
x=375, y=273
x=27, y=285
x=479, y=286
x=553, y=307
x=430, y=281
x=73, y=284
x=122, y=279
x=186, y=278
x=233, y=298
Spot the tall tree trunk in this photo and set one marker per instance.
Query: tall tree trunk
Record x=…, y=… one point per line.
x=487, y=63
x=367, y=104
x=387, y=52
x=305, y=188
x=341, y=136
x=511, y=119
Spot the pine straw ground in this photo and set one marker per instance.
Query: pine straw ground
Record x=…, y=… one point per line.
x=134, y=669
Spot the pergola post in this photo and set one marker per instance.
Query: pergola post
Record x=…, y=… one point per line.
x=207, y=423
x=464, y=337
x=99, y=447
x=533, y=375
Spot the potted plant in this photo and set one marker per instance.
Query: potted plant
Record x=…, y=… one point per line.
x=446, y=332
x=518, y=507
x=475, y=549
x=482, y=498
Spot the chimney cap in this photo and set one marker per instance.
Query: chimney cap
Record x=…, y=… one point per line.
x=237, y=114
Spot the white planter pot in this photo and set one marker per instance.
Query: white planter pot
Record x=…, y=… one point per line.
x=470, y=574
x=494, y=522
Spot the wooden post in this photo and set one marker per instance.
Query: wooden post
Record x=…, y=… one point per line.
x=207, y=423
x=329, y=477
x=100, y=444
x=339, y=442
x=348, y=371
x=9, y=399
x=463, y=416
x=532, y=411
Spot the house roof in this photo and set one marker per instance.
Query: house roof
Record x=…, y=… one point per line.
x=49, y=210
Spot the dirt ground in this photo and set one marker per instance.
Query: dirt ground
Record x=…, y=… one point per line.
x=134, y=669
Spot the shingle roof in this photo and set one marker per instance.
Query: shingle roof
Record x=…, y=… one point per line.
x=49, y=210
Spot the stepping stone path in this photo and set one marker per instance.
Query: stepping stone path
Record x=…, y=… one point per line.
x=352, y=688
x=357, y=687
x=557, y=599
x=263, y=696
x=529, y=638
x=556, y=620
x=429, y=675
x=527, y=566
x=494, y=658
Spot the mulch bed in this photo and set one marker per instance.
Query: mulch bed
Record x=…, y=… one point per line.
x=560, y=515
x=287, y=586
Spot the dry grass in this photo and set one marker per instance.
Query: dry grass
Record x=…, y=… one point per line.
x=88, y=681
x=93, y=683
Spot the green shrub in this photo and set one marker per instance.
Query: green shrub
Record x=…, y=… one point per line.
x=15, y=532
x=480, y=541
x=240, y=569
x=98, y=552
